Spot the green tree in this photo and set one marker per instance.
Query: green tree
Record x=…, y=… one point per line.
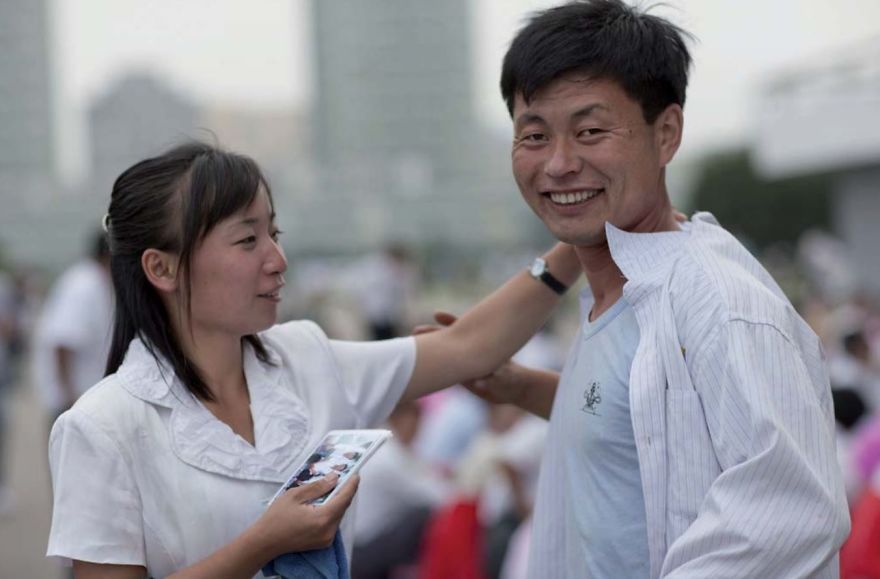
x=762, y=212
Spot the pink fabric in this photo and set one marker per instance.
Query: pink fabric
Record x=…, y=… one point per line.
x=866, y=449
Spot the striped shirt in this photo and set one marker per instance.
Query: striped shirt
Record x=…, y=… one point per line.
x=732, y=416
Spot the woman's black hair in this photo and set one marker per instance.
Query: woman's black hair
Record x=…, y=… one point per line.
x=170, y=203
x=604, y=39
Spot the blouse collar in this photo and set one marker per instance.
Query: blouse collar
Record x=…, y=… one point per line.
x=197, y=437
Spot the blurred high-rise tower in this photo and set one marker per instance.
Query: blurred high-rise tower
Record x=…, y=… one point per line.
x=27, y=180
x=25, y=109
x=393, y=80
x=400, y=153
x=137, y=117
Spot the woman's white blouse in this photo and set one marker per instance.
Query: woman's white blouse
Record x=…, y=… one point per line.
x=144, y=474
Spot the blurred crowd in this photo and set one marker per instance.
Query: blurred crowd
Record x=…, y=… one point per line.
x=451, y=494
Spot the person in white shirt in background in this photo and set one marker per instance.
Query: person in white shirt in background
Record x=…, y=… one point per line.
x=72, y=335
x=509, y=452
x=384, y=285
x=855, y=387
x=8, y=330
x=498, y=464
x=691, y=430
x=455, y=417
x=397, y=494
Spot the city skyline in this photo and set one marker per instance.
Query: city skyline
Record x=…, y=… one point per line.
x=242, y=55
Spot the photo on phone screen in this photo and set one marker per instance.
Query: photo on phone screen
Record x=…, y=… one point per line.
x=340, y=451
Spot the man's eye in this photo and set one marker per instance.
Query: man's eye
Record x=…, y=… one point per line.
x=591, y=132
x=533, y=138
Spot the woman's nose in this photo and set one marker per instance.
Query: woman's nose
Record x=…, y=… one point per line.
x=276, y=263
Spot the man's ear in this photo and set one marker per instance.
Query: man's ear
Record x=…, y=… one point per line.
x=669, y=127
x=161, y=269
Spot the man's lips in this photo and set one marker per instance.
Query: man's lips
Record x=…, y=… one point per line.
x=572, y=197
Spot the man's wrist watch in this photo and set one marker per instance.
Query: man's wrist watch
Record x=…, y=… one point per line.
x=539, y=271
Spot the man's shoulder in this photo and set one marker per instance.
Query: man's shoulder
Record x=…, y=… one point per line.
x=717, y=281
x=717, y=273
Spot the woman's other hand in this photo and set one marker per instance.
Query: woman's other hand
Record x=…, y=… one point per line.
x=292, y=523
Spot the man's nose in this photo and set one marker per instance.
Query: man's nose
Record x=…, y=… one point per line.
x=563, y=159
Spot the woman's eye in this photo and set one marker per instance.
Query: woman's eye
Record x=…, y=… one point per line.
x=248, y=240
x=276, y=234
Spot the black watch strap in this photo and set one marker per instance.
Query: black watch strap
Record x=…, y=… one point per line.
x=539, y=271
x=552, y=282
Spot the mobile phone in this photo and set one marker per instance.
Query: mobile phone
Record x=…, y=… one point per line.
x=342, y=451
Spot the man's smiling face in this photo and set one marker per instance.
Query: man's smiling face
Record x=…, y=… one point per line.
x=584, y=155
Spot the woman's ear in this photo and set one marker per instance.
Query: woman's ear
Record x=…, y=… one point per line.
x=161, y=269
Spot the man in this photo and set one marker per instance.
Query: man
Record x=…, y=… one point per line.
x=398, y=494
x=9, y=329
x=72, y=337
x=691, y=428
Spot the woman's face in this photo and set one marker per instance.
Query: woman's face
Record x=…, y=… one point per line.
x=237, y=273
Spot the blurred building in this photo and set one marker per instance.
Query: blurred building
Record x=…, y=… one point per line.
x=137, y=117
x=399, y=151
x=25, y=110
x=26, y=122
x=280, y=140
x=823, y=117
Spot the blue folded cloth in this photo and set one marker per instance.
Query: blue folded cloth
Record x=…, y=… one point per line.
x=327, y=563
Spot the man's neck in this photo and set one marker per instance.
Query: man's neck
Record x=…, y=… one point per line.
x=604, y=277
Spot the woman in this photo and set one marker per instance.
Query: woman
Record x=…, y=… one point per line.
x=162, y=469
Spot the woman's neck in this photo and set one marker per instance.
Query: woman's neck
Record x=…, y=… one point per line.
x=219, y=360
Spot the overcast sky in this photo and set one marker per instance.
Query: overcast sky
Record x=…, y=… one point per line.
x=257, y=53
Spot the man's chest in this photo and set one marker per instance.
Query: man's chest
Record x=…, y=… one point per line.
x=593, y=402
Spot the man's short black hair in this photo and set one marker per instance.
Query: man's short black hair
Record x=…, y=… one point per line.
x=608, y=39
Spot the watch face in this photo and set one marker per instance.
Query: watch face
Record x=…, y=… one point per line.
x=538, y=267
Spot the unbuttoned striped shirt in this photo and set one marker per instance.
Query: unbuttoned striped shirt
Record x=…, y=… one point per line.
x=732, y=416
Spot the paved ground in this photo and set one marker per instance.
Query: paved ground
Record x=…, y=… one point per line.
x=23, y=532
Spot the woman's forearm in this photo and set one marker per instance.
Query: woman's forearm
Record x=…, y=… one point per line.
x=493, y=330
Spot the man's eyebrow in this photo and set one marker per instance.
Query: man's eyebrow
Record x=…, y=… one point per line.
x=588, y=110
x=526, y=118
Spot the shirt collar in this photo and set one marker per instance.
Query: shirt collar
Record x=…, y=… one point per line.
x=642, y=257
x=281, y=425
x=152, y=378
